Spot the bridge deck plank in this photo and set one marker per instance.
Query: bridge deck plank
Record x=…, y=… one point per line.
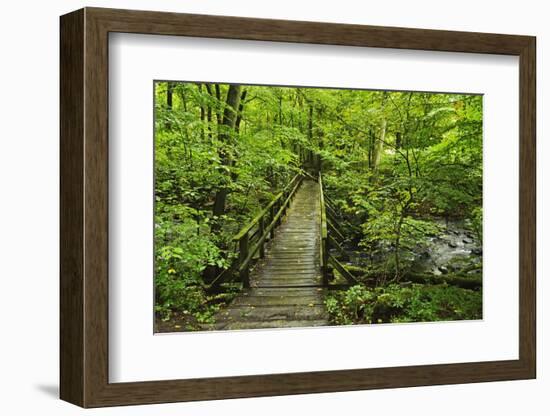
x=285, y=285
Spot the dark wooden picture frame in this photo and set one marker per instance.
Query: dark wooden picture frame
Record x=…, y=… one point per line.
x=84, y=207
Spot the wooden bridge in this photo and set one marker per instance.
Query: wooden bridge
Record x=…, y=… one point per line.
x=286, y=259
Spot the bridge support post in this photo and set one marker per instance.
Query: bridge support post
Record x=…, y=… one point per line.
x=272, y=215
x=325, y=268
x=262, y=231
x=324, y=252
x=243, y=254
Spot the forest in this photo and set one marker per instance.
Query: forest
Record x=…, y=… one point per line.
x=401, y=174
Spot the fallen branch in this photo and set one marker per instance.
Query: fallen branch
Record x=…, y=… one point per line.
x=473, y=282
x=460, y=279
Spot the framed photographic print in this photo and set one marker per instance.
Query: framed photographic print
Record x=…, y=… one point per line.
x=255, y=207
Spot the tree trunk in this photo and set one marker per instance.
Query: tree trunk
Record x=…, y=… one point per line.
x=309, y=159
x=240, y=113
x=169, y=102
x=397, y=257
x=209, y=111
x=310, y=124
x=169, y=95
x=398, y=140
x=202, y=112
x=379, y=145
x=219, y=97
x=228, y=123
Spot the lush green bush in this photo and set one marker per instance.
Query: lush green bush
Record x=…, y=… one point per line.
x=476, y=222
x=184, y=248
x=395, y=303
x=196, y=158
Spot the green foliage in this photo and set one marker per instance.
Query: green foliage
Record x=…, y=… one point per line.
x=383, y=230
x=411, y=158
x=196, y=158
x=394, y=303
x=392, y=163
x=183, y=250
x=476, y=221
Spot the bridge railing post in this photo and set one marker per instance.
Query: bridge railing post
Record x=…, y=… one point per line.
x=272, y=213
x=277, y=207
x=261, y=226
x=325, y=254
x=243, y=254
x=324, y=250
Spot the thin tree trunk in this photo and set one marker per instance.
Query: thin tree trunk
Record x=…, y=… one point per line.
x=209, y=111
x=219, y=97
x=398, y=248
x=320, y=142
x=310, y=124
x=370, y=147
x=169, y=102
x=310, y=134
x=379, y=145
x=202, y=111
x=228, y=124
x=240, y=113
x=169, y=95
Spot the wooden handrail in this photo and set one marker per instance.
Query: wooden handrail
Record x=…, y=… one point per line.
x=342, y=270
x=267, y=220
x=257, y=218
x=327, y=240
x=336, y=217
x=323, y=209
x=324, y=243
x=334, y=230
x=268, y=229
x=262, y=213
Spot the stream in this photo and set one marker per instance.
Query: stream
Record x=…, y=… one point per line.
x=454, y=248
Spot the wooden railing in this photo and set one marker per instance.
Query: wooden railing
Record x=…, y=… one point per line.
x=324, y=243
x=251, y=239
x=330, y=237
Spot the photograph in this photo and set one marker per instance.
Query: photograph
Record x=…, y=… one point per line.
x=293, y=206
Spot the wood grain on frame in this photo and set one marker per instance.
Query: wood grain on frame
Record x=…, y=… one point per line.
x=84, y=207
x=71, y=218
